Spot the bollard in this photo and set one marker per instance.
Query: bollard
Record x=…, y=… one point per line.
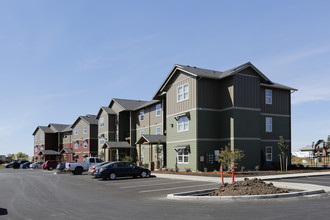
x=232, y=172
x=221, y=171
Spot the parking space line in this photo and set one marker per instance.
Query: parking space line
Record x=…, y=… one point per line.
x=310, y=181
x=182, y=187
x=126, y=187
x=133, y=181
x=316, y=177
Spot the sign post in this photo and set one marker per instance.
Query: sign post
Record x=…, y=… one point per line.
x=233, y=172
x=221, y=171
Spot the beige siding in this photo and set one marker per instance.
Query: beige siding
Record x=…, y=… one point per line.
x=39, y=141
x=67, y=137
x=116, y=108
x=246, y=91
x=172, y=105
x=150, y=117
x=215, y=94
x=280, y=102
x=80, y=125
x=105, y=128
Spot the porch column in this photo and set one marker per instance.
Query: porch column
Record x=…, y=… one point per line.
x=110, y=155
x=104, y=154
x=151, y=153
x=140, y=152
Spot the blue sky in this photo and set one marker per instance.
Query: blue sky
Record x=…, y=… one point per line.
x=62, y=59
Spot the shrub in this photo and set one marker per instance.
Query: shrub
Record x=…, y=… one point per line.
x=257, y=168
x=187, y=169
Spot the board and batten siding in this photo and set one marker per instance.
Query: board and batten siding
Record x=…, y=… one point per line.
x=215, y=94
x=281, y=101
x=246, y=91
x=172, y=105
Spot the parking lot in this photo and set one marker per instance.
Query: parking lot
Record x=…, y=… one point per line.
x=41, y=194
x=318, y=180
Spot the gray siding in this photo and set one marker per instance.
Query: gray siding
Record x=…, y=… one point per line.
x=247, y=91
x=281, y=101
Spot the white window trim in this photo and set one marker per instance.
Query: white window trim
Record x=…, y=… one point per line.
x=177, y=93
x=102, y=122
x=158, y=110
x=271, y=125
x=142, y=114
x=183, y=156
x=183, y=129
x=271, y=154
x=141, y=133
x=85, y=129
x=76, y=131
x=86, y=144
x=271, y=97
x=160, y=130
x=76, y=145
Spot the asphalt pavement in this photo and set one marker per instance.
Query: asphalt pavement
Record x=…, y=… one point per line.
x=39, y=194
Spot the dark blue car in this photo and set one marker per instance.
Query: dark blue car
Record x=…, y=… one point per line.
x=25, y=165
x=60, y=166
x=121, y=169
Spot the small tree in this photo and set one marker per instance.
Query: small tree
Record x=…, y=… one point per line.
x=227, y=157
x=22, y=156
x=283, y=151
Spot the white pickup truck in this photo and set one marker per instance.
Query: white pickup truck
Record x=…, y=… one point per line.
x=79, y=168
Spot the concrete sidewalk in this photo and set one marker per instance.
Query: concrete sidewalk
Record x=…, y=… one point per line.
x=300, y=186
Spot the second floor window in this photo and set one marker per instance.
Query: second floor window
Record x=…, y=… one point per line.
x=158, y=109
x=269, y=124
x=183, y=124
x=85, y=129
x=85, y=144
x=102, y=139
x=141, y=133
x=76, y=144
x=268, y=94
x=42, y=137
x=42, y=147
x=158, y=131
x=141, y=114
x=183, y=92
x=76, y=131
x=36, y=149
x=101, y=121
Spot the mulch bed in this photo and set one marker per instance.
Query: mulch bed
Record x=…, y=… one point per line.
x=247, y=187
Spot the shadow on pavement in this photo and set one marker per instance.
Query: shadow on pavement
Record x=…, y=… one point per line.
x=3, y=211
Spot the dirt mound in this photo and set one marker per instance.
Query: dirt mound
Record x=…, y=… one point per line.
x=247, y=187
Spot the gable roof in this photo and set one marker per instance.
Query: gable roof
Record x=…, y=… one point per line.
x=152, y=139
x=58, y=127
x=107, y=110
x=213, y=74
x=128, y=104
x=68, y=128
x=148, y=104
x=89, y=119
x=45, y=129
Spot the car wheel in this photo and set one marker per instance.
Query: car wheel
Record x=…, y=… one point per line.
x=112, y=176
x=78, y=171
x=144, y=174
x=50, y=168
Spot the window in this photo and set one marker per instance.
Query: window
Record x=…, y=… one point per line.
x=42, y=137
x=268, y=94
x=158, y=131
x=141, y=133
x=183, y=92
x=66, y=145
x=85, y=129
x=183, y=124
x=42, y=147
x=102, y=139
x=101, y=121
x=36, y=149
x=269, y=153
x=76, y=131
x=158, y=109
x=269, y=124
x=76, y=145
x=183, y=156
x=142, y=157
x=142, y=114
x=85, y=144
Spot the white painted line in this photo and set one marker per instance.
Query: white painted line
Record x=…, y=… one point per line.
x=126, y=187
x=182, y=187
x=316, y=177
x=309, y=181
x=122, y=182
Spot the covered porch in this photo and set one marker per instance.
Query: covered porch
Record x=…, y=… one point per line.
x=67, y=155
x=45, y=155
x=121, y=148
x=152, y=140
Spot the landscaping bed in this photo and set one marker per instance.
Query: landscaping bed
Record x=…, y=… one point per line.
x=247, y=187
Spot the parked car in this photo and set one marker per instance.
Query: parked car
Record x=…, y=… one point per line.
x=61, y=166
x=9, y=165
x=17, y=164
x=50, y=164
x=120, y=169
x=79, y=168
x=25, y=165
x=36, y=165
x=95, y=168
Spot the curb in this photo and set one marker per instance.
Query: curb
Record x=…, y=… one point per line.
x=192, y=195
